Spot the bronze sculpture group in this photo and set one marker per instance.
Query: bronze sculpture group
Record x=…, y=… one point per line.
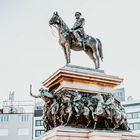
x=78, y=109
x=76, y=39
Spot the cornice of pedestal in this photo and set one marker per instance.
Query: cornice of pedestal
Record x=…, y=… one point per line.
x=82, y=75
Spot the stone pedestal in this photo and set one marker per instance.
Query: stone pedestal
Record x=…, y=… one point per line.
x=83, y=79
x=69, y=133
x=88, y=82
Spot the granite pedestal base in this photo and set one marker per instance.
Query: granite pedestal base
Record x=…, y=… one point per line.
x=70, y=133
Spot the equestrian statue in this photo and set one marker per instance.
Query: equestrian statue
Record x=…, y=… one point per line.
x=76, y=39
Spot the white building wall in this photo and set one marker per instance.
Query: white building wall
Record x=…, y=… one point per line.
x=16, y=126
x=132, y=109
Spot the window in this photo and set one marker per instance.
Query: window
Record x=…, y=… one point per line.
x=23, y=131
x=3, y=132
x=129, y=115
x=136, y=126
x=138, y=114
x=23, y=118
x=39, y=107
x=131, y=126
x=38, y=132
x=1, y=118
x=39, y=123
x=4, y=118
x=119, y=94
x=135, y=115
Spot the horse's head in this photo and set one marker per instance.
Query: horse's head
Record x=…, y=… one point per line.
x=55, y=19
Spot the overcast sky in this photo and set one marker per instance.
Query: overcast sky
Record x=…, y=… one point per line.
x=29, y=49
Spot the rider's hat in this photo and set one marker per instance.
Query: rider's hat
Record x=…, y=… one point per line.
x=78, y=13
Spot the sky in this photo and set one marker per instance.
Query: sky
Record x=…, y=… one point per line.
x=30, y=52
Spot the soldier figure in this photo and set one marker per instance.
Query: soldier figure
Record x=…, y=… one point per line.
x=78, y=29
x=100, y=105
x=110, y=104
x=45, y=95
x=78, y=106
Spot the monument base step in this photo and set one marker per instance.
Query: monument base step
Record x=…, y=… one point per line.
x=71, y=133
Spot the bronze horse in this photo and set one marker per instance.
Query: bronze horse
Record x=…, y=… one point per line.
x=118, y=118
x=93, y=46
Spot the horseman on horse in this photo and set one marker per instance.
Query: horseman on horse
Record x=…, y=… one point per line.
x=78, y=30
x=76, y=39
x=110, y=109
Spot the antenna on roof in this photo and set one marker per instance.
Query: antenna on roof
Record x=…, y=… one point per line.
x=11, y=99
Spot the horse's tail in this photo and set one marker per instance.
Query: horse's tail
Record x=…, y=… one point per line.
x=100, y=50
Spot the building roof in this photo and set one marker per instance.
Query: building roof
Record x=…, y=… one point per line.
x=130, y=103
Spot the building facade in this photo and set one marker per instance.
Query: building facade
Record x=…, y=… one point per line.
x=38, y=128
x=16, y=126
x=17, y=123
x=132, y=109
x=119, y=94
x=16, y=119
